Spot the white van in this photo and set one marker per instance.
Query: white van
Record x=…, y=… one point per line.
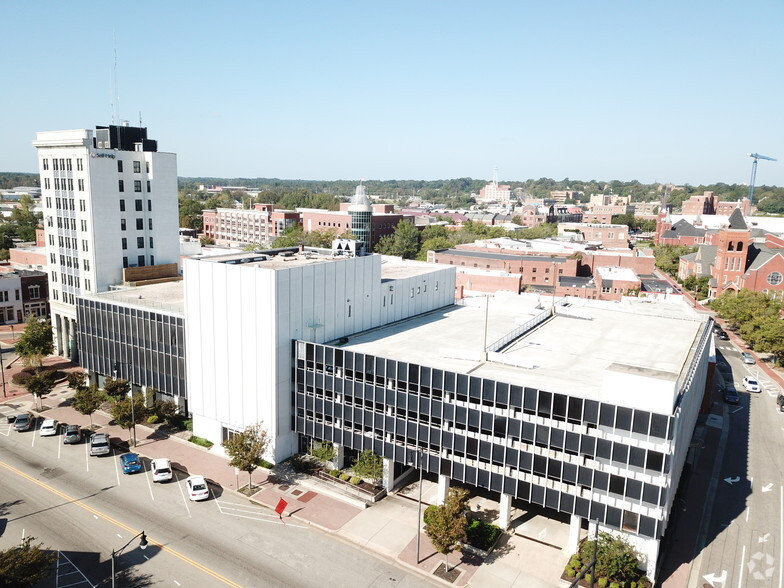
x=161, y=469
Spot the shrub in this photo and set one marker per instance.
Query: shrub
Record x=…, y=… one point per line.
x=483, y=535
x=355, y=481
x=603, y=582
x=615, y=585
x=345, y=477
x=324, y=451
x=21, y=378
x=266, y=464
x=152, y=419
x=575, y=562
x=301, y=465
x=200, y=441
x=188, y=424
x=570, y=573
x=334, y=473
x=588, y=578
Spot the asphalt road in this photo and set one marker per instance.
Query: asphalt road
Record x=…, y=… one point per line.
x=744, y=534
x=84, y=507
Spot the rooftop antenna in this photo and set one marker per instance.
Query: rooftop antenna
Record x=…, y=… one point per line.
x=495, y=175
x=115, y=94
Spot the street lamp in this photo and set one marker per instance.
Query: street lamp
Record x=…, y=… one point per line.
x=418, y=454
x=116, y=552
x=116, y=369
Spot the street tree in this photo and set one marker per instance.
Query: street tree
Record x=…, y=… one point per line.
x=76, y=379
x=116, y=386
x=39, y=384
x=446, y=525
x=26, y=565
x=246, y=449
x=35, y=342
x=87, y=400
x=369, y=465
x=128, y=415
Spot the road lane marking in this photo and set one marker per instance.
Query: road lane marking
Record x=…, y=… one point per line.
x=61, y=554
x=781, y=531
x=97, y=513
x=147, y=477
x=742, y=565
x=116, y=467
x=183, y=495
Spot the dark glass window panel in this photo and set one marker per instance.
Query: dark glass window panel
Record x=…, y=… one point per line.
x=572, y=443
x=484, y=451
x=655, y=461
x=616, y=484
x=528, y=432
x=637, y=457
x=650, y=494
x=633, y=489
x=498, y=454
x=601, y=480
x=524, y=490
x=540, y=465
x=557, y=438
x=570, y=473
x=620, y=453
x=475, y=388
x=607, y=415
x=554, y=469
x=613, y=517
x=588, y=445
x=647, y=526
x=658, y=426
x=502, y=394
x=591, y=412
x=543, y=407
x=567, y=503
x=597, y=511
x=516, y=396
x=582, y=507
x=551, y=498
x=542, y=435
x=575, y=410
x=603, y=448
x=585, y=477
x=559, y=407
x=526, y=461
x=537, y=495
x=499, y=426
x=471, y=447
x=641, y=420
x=623, y=418
x=529, y=401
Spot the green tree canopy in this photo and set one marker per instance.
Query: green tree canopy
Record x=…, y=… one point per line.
x=35, y=342
x=40, y=384
x=246, y=449
x=404, y=242
x=127, y=415
x=446, y=525
x=369, y=465
x=26, y=565
x=116, y=386
x=87, y=400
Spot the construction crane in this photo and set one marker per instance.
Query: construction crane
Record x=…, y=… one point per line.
x=756, y=157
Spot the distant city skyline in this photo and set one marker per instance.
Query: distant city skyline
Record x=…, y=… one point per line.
x=664, y=92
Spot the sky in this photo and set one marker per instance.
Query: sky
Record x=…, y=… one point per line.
x=667, y=91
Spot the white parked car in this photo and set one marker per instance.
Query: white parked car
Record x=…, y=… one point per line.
x=751, y=384
x=197, y=488
x=161, y=470
x=49, y=427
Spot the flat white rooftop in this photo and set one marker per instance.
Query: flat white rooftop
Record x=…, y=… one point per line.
x=167, y=297
x=567, y=354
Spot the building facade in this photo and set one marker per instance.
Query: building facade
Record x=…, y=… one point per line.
x=516, y=418
x=232, y=227
x=109, y=202
x=141, y=332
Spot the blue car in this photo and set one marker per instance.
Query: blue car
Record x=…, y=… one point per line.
x=130, y=463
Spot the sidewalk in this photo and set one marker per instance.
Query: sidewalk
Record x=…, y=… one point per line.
x=387, y=528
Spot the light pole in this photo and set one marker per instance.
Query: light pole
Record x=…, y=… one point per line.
x=133, y=416
x=2, y=369
x=116, y=552
x=418, y=454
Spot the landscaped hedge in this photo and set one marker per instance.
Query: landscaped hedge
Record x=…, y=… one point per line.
x=200, y=441
x=482, y=535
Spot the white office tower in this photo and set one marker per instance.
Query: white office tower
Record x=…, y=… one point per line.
x=109, y=202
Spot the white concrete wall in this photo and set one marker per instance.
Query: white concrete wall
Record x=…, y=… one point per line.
x=241, y=320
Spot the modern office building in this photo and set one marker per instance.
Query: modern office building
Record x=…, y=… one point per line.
x=236, y=227
x=574, y=408
x=140, y=334
x=244, y=311
x=109, y=202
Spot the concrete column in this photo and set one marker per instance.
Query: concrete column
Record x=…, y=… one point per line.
x=58, y=334
x=505, y=511
x=66, y=337
x=73, y=347
x=389, y=474
x=340, y=456
x=443, y=489
x=575, y=525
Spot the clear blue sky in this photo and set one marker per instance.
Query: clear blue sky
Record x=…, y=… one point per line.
x=667, y=91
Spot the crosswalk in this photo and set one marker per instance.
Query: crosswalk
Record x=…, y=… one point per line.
x=68, y=575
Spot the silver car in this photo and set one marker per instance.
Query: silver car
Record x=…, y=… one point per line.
x=99, y=444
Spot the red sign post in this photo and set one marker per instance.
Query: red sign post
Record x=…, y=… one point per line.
x=282, y=504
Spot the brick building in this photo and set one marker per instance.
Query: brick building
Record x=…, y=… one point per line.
x=234, y=227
